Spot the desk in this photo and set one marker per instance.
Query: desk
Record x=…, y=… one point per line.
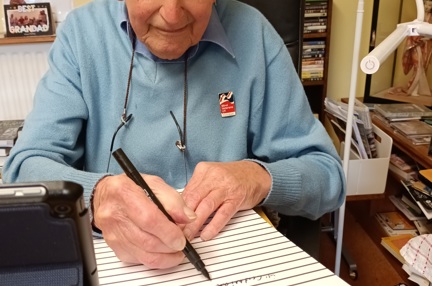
x=248, y=251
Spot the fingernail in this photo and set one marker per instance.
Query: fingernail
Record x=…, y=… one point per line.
x=205, y=236
x=187, y=234
x=189, y=213
x=179, y=244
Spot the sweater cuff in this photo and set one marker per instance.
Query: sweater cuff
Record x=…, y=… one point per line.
x=95, y=229
x=265, y=168
x=89, y=182
x=286, y=184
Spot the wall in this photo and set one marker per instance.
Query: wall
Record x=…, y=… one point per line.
x=80, y=2
x=19, y=62
x=344, y=15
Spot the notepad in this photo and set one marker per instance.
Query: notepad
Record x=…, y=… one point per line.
x=248, y=251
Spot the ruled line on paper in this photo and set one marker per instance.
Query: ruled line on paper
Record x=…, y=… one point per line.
x=246, y=252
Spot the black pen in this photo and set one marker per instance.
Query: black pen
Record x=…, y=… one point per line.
x=133, y=174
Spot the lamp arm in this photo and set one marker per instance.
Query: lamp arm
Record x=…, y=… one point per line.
x=422, y=29
x=420, y=10
x=372, y=62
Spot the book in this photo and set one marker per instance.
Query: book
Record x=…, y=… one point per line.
x=318, y=14
x=395, y=243
x=404, y=118
x=423, y=226
x=399, y=110
x=419, y=186
x=340, y=133
x=420, y=140
x=9, y=132
x=362, y=125
x=318, y=42
x=405, y=175
x=408, y=200
x=363, y=112
x=393, y=232
x=403, y=162
x=411, y=213
x=339, y=122
x=424, y=202
x=396, y=220
x=412, y=128
x=425, y=176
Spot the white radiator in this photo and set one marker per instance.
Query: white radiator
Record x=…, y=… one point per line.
x=21, y=68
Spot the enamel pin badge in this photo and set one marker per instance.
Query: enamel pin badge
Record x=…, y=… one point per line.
x=227, y=104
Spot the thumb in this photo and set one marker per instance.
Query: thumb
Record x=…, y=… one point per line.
x=175, y=206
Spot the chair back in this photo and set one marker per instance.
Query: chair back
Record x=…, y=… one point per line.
x=286, y=16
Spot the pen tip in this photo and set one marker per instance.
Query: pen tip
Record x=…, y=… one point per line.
x=206, y=274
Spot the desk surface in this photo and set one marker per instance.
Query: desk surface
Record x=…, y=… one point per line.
x=418, y=152
x=248, y=251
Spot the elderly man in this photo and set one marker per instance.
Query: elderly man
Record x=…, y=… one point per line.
x=162, y=69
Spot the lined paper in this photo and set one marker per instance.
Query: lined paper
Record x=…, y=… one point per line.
x=248, y=251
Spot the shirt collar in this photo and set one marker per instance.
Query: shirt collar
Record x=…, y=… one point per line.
x=214, y=33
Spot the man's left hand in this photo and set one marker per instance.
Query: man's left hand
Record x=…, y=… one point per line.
x=225, y=188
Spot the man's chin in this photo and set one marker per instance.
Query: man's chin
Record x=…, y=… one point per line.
x=169, y=55
x=170, y=52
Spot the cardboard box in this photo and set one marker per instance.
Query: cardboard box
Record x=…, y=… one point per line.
x=369, y=176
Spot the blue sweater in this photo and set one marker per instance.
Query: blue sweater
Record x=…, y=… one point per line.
x=78, y=104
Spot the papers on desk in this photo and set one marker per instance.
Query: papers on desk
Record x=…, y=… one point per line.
x=247, y=252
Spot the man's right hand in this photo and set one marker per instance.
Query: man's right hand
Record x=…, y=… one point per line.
x=134, y=227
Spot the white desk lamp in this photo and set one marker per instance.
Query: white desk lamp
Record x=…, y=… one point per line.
x=370, y=64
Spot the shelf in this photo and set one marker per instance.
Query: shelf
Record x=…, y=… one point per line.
x=26, y=40
x=417, y=152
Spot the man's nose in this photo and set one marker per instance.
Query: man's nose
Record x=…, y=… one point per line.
x=172, y=11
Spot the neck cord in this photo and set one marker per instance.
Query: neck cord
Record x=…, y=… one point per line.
x=181, y=144
x=123, y=118
x=185, y=97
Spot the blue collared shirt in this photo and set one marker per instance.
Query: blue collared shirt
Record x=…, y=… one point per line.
x=214, y=33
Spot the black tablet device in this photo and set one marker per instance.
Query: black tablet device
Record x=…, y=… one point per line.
x=45, y=236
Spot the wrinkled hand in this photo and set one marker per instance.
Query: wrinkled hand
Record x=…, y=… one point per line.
x=133, y=226
x=225, y=187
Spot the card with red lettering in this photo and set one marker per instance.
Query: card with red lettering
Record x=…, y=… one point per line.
x=28, y=20
x=227, y=104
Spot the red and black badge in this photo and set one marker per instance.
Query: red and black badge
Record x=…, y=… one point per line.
x=227, y=104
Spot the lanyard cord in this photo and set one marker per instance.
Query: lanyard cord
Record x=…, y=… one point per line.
x=185, y=98
x=125, y=118
x=181, y=144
